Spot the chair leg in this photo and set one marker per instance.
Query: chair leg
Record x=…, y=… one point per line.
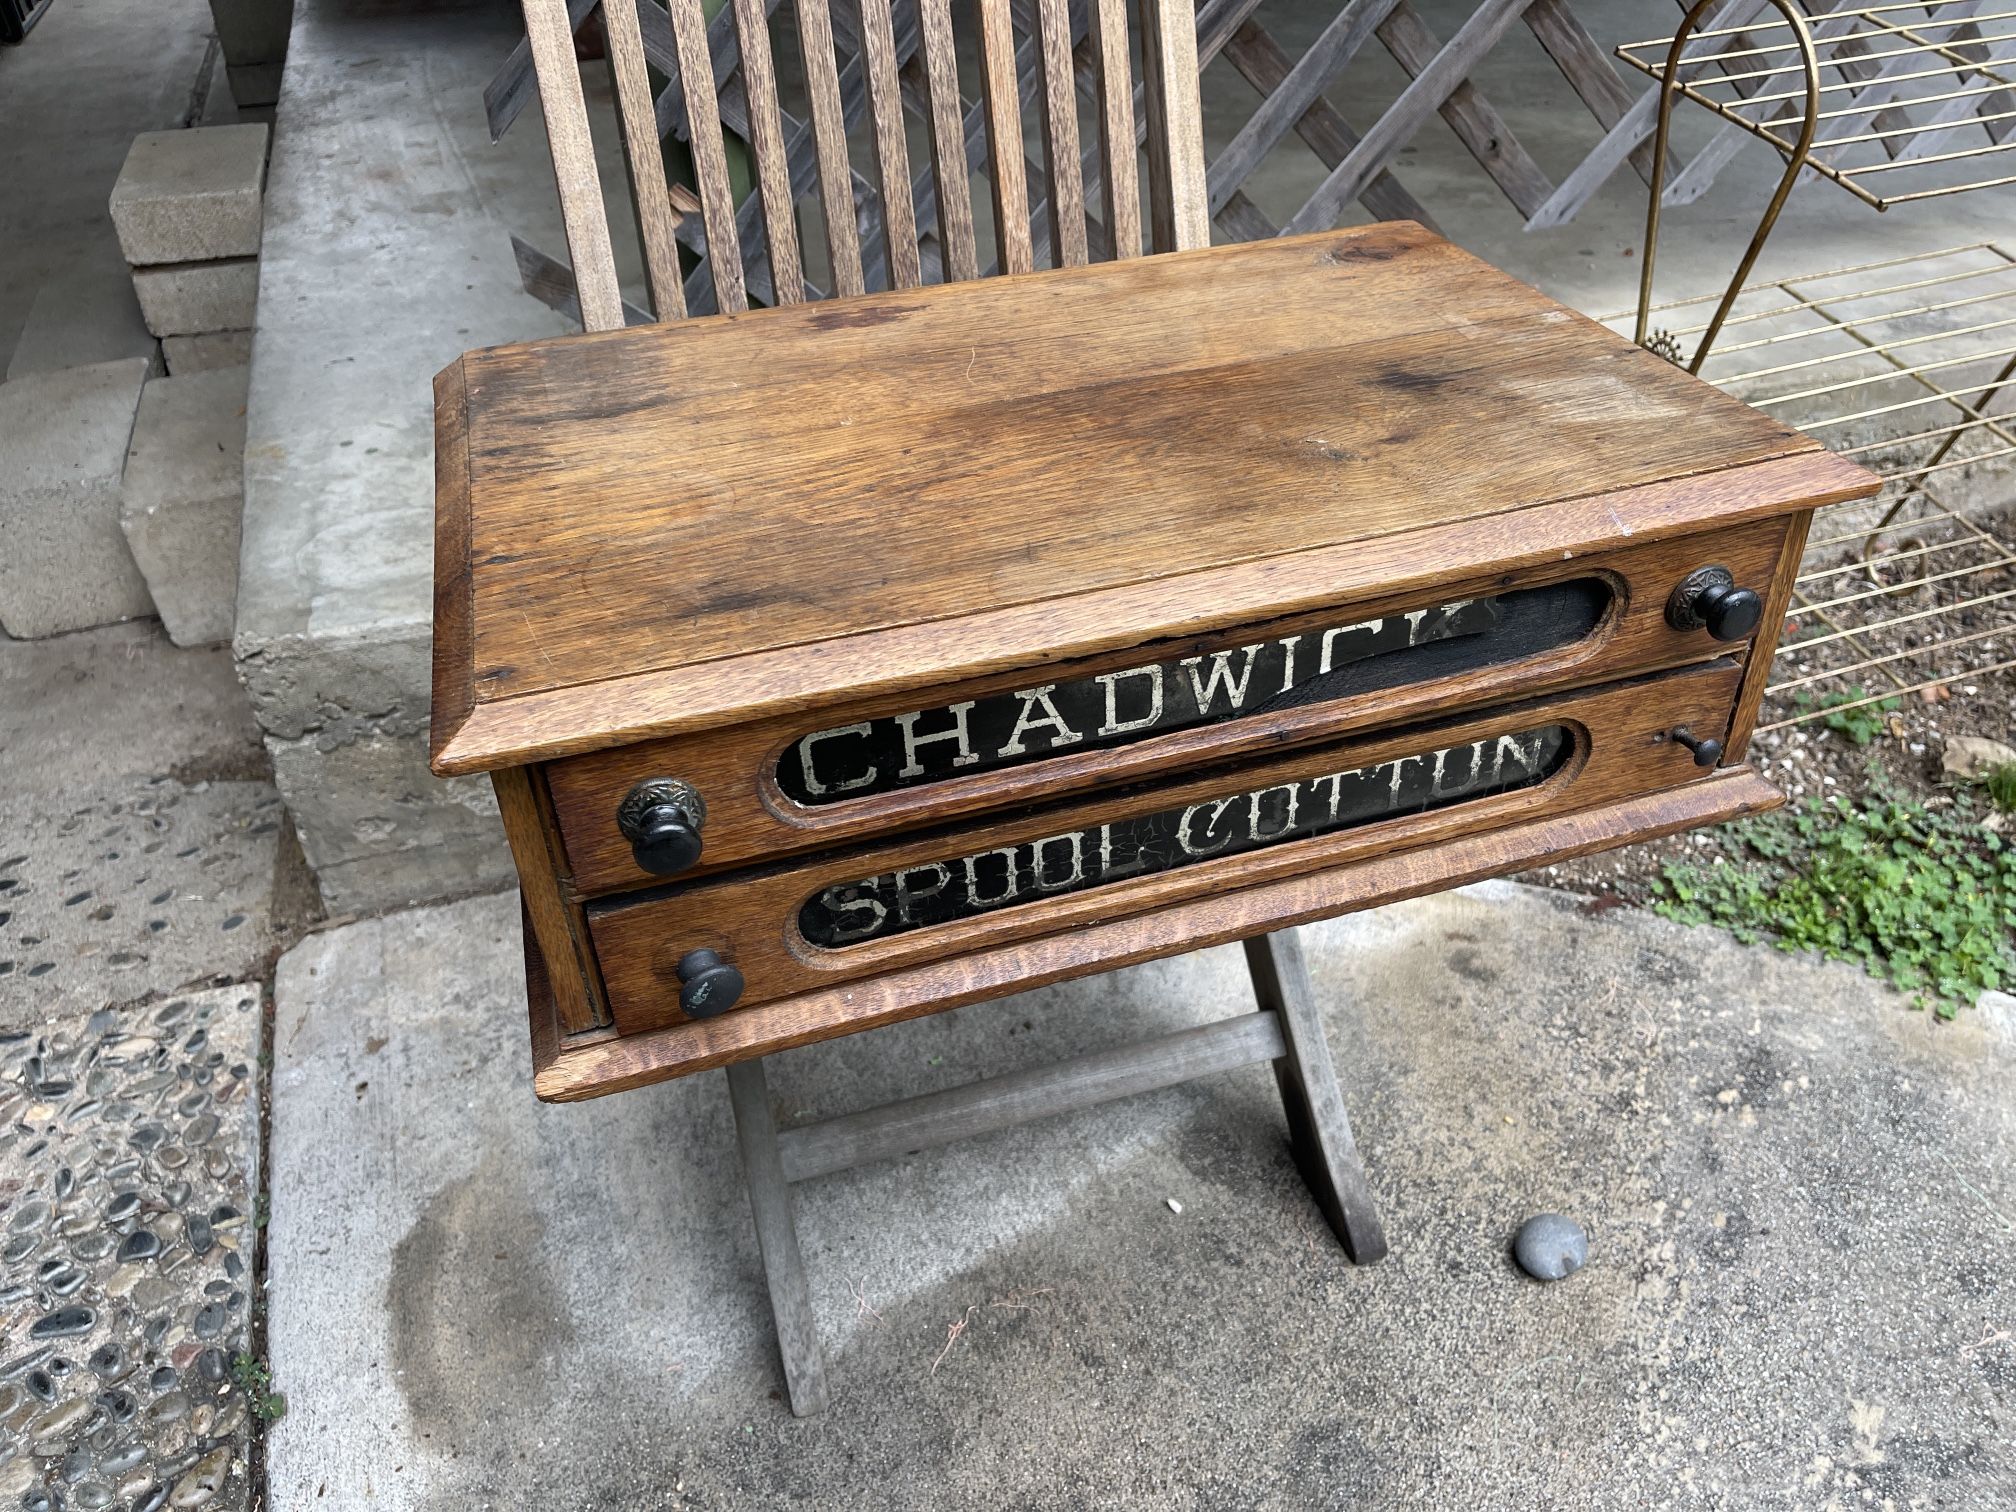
x=777, y=1238
x=1318, y=1129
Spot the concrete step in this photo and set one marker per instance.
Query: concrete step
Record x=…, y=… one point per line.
x=85, y=312
x=210, y=349
x=184, y=499
x=191, y=196
x=64, y=563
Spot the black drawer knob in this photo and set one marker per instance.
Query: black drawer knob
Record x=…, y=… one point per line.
x=661, y=817
x=1706, y=752
x=1710, y=600
x=708, y=984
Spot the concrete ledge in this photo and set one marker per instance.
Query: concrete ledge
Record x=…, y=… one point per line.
x=335, y=599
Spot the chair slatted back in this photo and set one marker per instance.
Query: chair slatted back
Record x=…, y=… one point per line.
x=866, y=69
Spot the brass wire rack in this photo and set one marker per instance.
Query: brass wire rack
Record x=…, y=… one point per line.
x=1914, y=101
x=1909, y=366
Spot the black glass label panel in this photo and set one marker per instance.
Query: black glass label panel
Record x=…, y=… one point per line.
x=1241, y=682
x=938, y=892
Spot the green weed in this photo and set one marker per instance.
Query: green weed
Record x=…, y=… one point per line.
x=2000, y=782
x=1922, y=897
x=256, y=1380
x=1861, y=724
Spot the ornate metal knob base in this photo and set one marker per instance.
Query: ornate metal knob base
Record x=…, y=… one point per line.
x=1710, y=600
x=662, y=817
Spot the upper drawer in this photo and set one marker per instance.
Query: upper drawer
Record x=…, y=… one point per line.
x=799, y=784
x=862, y=913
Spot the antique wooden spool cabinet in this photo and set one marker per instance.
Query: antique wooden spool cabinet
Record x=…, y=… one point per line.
x=844, y=662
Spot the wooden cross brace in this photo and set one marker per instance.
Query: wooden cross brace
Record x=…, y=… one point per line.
x=1286, y=1029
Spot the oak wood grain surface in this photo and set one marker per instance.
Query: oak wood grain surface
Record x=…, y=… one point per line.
x=593, y=1066
x=1622, y=749
x=913, y=658
x=669, y=497
x=750, y=819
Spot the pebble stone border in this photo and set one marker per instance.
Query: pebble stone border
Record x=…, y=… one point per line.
x=128, y=1148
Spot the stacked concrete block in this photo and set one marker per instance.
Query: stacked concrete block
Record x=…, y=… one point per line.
x=253, y=36
x=188, y=208
x=184, y=498
x=64, y=562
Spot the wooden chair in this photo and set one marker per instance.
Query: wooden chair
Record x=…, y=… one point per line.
x=897, y=227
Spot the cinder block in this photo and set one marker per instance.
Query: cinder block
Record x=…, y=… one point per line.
x=188, y=299
x=252, y=31
x=184, y=499
x=212, y=349
x=254, y=84
x=64, y=564
x=80, y=316
x=191, y=196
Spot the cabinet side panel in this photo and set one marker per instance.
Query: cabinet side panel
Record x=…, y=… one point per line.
x=1757, y=675
x=556, y=923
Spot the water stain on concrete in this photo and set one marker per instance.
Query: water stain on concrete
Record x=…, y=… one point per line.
x=471, y=1301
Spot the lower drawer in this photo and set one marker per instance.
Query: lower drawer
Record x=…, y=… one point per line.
x=851, y=915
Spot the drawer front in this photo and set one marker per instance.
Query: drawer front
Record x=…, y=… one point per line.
x=848, y=916
x=1043, y=734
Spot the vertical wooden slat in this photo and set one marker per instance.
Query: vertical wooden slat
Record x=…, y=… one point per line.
x=1178, y=198
x=657, y=223
x=949, y=172
x=1001, y=96
x=574, y=172
x=710, y=159
x=1060, y=135
x=892, y=149
x=829, y=138
x=766, y=141
x=1119, y=158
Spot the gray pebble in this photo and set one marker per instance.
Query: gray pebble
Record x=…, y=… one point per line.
x=141, y=1244
x=109, y=1362
x=1549, y=1247
x=64, y=1322
x=122, y=1459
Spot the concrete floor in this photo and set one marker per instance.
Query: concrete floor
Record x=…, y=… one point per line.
x=1799, y=1196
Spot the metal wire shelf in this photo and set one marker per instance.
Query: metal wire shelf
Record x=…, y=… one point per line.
x=1886, y=90
x=1908, y=365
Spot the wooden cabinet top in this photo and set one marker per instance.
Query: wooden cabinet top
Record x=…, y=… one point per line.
x=708, y=521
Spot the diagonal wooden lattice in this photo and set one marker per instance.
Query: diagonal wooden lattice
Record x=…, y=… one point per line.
x=1360, y=164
